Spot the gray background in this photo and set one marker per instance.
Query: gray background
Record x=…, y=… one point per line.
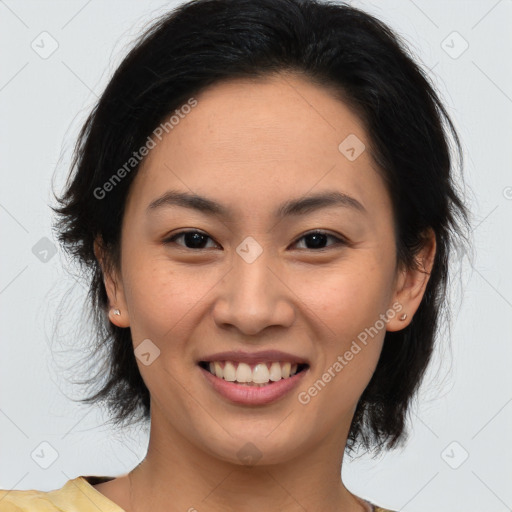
x=459, y=454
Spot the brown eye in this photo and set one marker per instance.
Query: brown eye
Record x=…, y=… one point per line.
x=192, y=239
x=197, y=240
x=317, y=240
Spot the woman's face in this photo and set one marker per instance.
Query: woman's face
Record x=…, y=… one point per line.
x=254, y=278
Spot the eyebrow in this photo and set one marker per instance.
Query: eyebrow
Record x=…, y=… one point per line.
x=298, y=206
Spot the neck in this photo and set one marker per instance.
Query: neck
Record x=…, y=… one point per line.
x=177, y=472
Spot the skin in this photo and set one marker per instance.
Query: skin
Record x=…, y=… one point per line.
x=251, y=145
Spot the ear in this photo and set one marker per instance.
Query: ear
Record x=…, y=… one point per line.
x=114, y=287
x=412, y=283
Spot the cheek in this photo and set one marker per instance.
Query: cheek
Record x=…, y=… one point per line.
x=162, y=297
x=347, y=305
x=163, y=302
x=349, y=347
x=347, y=299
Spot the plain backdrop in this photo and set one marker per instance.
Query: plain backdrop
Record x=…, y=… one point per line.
x=56, y=59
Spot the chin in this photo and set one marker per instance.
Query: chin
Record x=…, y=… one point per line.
x=259, y=448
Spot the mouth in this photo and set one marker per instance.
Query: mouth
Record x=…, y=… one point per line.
x=252, y=384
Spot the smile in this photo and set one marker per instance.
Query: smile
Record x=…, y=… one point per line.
x=259, y=374
x=253, y=384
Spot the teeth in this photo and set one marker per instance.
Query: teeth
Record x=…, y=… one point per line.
x=229, y=372
x=218, y=370
x=258, y=374
x=275, y=372
x=243, y=373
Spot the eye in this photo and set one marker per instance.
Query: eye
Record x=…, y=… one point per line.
x=318, y=238
x=193, y=239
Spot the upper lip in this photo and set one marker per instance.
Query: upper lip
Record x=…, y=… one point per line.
x=255, y=357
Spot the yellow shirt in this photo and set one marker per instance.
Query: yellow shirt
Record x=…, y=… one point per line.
x=77, y=495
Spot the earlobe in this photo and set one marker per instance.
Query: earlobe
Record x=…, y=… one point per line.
x=412, y=284
x=118, y=312
x=118, y=318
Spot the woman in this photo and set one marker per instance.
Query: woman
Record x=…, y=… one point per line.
x=264, y=198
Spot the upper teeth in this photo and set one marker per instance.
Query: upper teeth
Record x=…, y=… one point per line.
x=261, y=373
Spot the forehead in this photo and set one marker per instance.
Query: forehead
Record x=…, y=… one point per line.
x=268, y=119
x=253, y=140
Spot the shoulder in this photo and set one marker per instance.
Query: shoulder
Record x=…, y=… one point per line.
x=21, y=501
x=376, y=508
x=372, y=507
x=77, y=495
x=369, y=506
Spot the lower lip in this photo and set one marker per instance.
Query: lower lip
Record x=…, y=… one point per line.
x=253, y=395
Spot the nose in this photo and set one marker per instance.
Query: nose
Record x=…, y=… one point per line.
x=253, y=296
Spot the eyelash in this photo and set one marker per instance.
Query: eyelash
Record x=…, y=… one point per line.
x=340, y=240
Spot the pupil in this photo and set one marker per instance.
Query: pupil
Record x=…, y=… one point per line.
x=194, y=239
x=316, y=237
